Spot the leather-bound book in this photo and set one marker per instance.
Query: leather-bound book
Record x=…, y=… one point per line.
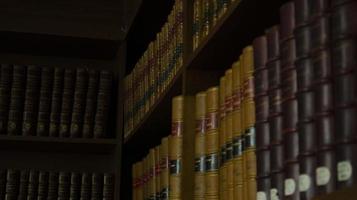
x=325, y=126
x=263, y=188
x=320, y=32
x=43, y=184
x=272, y=35
x=345, y=90
x=306, y=102
x=97, y=186
x=302, y=12
x=291, y=146
x=303, y=40
x=33, y=82
x=108, y=188
x=2, y=183
x=263, y=162
x=277, y=157
x=33, y=185
x=290, y=115
x=24, y=182
x=260, y=47
x=44, y=107
x=346, y=165
x=343, y=59
x=287, y=21
x=79, y=103
x=5, y=94
x=64, y=182
x=305, y=74
x=52, y=186
x=75, y=189
x=276, y=129
x=291, y=182
x=86, y=185
x=103, y=102
x=275, y=102
x=345, y=125
x=14, y=126
x=319, y=7
x=262, y=135
x=67, y=102
x=344, y=21
x=277, y=185
x=56, y=102
x=262, y=108
x=307, y=138
x=12, y=184
x=325, y=171
x=91, y=104
x=307, y=165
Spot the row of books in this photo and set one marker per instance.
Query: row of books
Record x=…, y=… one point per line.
x=56, y=102
x=206, y=13
x=281, y=123
x=49, y=185
x=155, y=70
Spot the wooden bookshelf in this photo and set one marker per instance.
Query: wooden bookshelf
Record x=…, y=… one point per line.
x=52, y=144
x=349, y=193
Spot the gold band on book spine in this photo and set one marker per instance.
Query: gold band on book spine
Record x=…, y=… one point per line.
x=199, y=189
x=212, y=144
x=222, y=138
x=175, y=153
x=229, y=134
x=164, y=168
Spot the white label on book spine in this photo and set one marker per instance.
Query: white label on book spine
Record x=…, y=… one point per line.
x=323, y=176
x=344, y=170
x=261, y=196
x=304, y=182
x=290, y=186
x=274, y=194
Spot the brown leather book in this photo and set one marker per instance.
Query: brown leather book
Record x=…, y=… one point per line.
x=56, y=101
x=263, y=162
x=44, y=108
x=291, y=182
x=67, y=102
x=307, y=138
x=263, y=188
x=277, y=185
x=91, y=104
x=325, y=171
x=291, y=146
x=262, y=108
x=277, y=157
x=262, y=135
x=5, y=93
x=344, y=20
x=346, y=165
x=307, y=176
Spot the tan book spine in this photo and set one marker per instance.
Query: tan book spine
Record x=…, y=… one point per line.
x=151, y=60
x=152, y=181
x=164, y=168
x=200, y=146
x=222, y=139
x=145, y=178
x=180, y=34
x=229, y=134
x=175, y=152
x=249, y=116
x=146, y=70
x=157, y=172
x=139, y=172
x=212, y=144
x=237, y=132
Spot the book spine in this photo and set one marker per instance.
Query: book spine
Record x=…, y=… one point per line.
x=108, y=188
x=31, y=101
x=175, y=152
x=200, y=146
x=64, y=183
x=23, y=186
x=196, y=23
x=222, y=139
x=52, y=185
x=44, y=108
x=103, y=102
x=12, y=184
x=152, y=177
x=91, y=104
x=86, y=185
x=33, y=185
x=212, y=144
x=17, y=101
x=97, y=186
x=237, y=131
x=5, y=93
x=43, y=185
x=56, y=102
x=67, y=102
x=75, y=186
x=157, y=173
x=165, y=171
x=79, y=101
x=229, y=133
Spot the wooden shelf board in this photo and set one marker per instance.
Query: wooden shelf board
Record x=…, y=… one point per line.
x=53, y=144
x=349, y=193
x=242, y=22
x=150, y=130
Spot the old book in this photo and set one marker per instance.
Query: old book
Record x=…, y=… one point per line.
x=86, y=185
x=90, y=104
x=67, y=102
x=56, y=102
x=97, y=186
x=33, y=185
x=152, y=181
x=277, y=185
x=344, y=21
x=24, y=183
x=223, y=138
x=307, y=176
x=64, y=183
x=212, y=144
x=5, y=94
x=346, y=165
x=291, y=181
x=165, y=170
x=52, y=185
x=157, y=172
x=43, y=185
x=103, y=101
x=44, y=107
x=31, y=100
x=326, y=171
x=14, y=126
x=75, y=188
x=263, y=188
x=108, y=187
x=79, y=106
x=200, y=146
x=12, y=184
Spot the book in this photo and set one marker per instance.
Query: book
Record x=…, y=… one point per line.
x=200, y=146
x=52, y=185
x=43, y=184
x=75, y=188
x=67, y=102
x=45, y=99
x=33, y=185
x=14, y=126
x=56, y=102
x=86, y=185
x=97, y=186
x=64, y=183
x=24, y=183
x=108, y=187
x=31, y=101
x=5, y=93
x=222, y=139
x=165, y=169
x=12, y=184
x=175, y=145
x=90, y=104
